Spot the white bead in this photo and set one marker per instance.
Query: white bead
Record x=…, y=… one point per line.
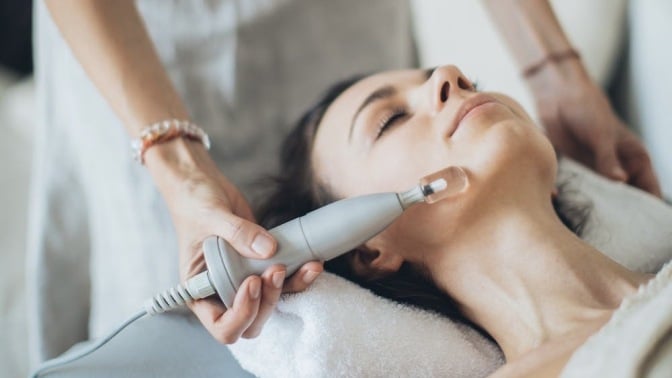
x=160, y=128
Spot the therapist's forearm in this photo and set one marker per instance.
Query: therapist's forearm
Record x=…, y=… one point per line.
x=109, y=39
x=532, y=32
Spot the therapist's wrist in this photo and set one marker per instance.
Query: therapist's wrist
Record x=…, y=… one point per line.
x=556, y=76
x=175, y=162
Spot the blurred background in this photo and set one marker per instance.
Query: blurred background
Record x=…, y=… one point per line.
x=16, y=125
x=624, y=44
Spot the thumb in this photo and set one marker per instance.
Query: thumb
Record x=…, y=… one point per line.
x=248, y=238
x=607, y=163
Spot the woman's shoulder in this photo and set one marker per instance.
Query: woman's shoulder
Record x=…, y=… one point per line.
x=632, y=333
x=549, y=359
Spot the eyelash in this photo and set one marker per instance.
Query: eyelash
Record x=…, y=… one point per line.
x=389, y=120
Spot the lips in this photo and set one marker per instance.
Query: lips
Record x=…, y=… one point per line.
x=467, y=106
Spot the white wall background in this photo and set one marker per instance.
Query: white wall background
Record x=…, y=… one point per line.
x=16, y=107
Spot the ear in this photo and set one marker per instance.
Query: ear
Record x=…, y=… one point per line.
x=554, y=193
x=375, y=263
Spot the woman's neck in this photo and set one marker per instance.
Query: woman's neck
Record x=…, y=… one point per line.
x=527, y=280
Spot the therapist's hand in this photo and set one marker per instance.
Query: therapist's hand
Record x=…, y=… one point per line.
x=581, y=124
x=202, y=203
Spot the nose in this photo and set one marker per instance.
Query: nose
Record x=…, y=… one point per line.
x=446, y=82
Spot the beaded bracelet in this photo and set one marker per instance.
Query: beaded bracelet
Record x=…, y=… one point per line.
x=552, y=57
x=165, y=131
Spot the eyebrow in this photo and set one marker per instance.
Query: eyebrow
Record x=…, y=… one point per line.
x=379, y=94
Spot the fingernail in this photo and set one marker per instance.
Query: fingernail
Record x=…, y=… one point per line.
x=309, y=276
x=262, y=245
x=278, y=279
x=255, y=289
x=620, y=173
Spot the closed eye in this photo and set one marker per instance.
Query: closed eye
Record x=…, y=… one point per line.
x=394, y=117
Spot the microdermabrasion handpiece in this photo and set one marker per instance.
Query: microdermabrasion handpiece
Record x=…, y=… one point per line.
x=322, y=234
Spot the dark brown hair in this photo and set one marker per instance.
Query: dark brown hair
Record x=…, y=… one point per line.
x=295, y=192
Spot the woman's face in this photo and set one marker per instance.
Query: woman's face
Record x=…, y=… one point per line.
x=390, y=129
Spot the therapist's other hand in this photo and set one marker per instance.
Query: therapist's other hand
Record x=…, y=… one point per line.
x=581, y=124
x=202, y=203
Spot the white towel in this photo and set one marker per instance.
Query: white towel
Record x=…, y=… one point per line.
x=338, y=329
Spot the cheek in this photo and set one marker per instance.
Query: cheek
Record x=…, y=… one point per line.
x=396, y=161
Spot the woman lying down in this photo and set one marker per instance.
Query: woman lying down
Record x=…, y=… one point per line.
x=501, y=255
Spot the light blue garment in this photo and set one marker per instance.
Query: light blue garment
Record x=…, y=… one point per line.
x=100, y=236
x=168, y=345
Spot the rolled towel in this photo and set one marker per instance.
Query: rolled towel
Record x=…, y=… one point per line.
x=337, y=329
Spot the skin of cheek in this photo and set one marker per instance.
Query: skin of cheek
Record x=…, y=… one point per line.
x=500, y=157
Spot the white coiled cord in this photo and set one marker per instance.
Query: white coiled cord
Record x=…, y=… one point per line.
x=195, y=288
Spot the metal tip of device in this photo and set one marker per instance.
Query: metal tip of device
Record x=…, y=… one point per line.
x=445, y=183
x=437, y=186
x=434, y=187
